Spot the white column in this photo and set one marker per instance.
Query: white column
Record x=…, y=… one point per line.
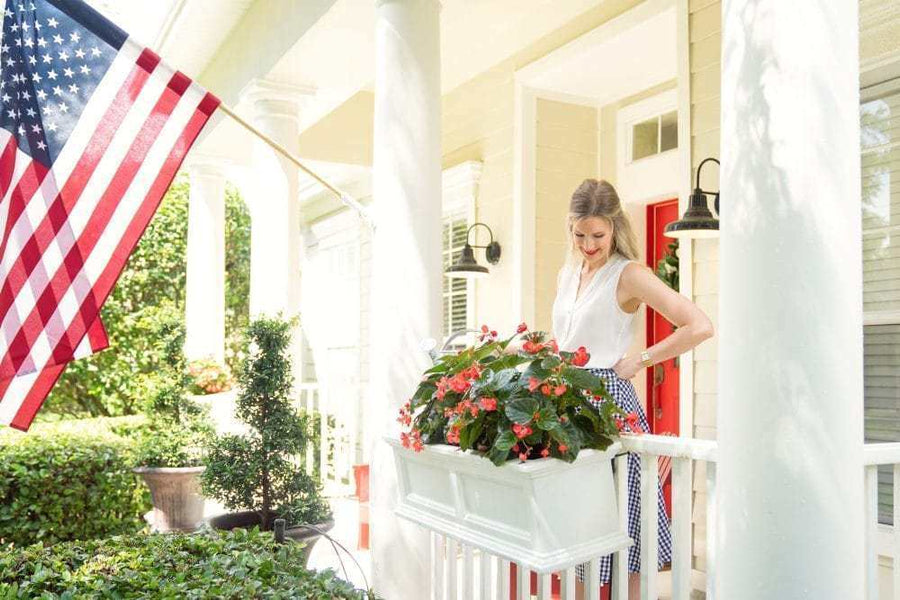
x=272, y=189
x=406, y=269
x=790, y=394
x=205, y=282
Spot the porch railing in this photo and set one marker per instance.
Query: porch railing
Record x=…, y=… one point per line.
x=339, y=435
x=880, y=540
x=464, y=572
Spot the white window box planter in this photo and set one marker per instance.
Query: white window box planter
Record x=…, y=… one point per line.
x=544, y=514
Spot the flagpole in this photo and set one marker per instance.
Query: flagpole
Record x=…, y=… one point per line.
x=346, y=199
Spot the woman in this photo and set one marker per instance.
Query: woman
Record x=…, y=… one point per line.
x=599, y=290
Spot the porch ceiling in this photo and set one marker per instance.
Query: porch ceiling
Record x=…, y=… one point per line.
x=186, y=33
x=336, y=56
x=613, y=61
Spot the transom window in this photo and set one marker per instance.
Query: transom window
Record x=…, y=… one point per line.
x=654, y=136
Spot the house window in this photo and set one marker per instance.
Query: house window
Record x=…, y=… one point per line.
x=880, y=147
x=654, y=136
x=456, y=291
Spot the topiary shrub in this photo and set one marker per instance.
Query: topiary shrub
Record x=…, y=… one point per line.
x=69, y=481
x=238, y=564
x=259, y=470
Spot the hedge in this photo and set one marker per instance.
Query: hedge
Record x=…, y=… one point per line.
x=236, y=564
x=70, y=480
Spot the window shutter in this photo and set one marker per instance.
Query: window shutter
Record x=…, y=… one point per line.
x=455, y=296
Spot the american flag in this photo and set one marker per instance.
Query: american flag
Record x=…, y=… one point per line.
x=93, y=129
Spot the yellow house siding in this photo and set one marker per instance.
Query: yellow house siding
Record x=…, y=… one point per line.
x=879, y=30
x=566, y=153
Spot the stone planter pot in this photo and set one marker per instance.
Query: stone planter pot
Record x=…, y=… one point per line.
x=177, y=502
x=544, y=514
x=249, y=518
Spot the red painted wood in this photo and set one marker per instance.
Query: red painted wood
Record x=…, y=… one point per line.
x=662, y=398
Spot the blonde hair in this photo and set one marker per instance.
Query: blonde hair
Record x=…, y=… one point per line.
x=598, y=198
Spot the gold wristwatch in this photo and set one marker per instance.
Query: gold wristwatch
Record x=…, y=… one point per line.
x=645, y=359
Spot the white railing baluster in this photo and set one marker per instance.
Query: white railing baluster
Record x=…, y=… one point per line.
x=307, y=406
x=484, y=576
x=545, y=585
x=503, y=579
x=567, y=584
x=711, y=531
x=523, y=583
x=681, y=528
x=592, y=578
x=485, y=581
x=620, y=559
x=467, y=587
x=451, y=558
x=323, y=433
x=649, y=526
x=437, y=566
x=871, y=532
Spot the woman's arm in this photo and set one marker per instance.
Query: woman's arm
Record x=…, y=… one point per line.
x=639, y=284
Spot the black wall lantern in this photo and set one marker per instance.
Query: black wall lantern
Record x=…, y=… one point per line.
x=467, y=267
x=697, y=221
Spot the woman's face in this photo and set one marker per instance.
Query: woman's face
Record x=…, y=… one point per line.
x=593, y=237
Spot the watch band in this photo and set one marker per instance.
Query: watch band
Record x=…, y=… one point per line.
x=645, y=359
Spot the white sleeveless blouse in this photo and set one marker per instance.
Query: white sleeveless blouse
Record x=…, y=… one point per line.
x=595, y=320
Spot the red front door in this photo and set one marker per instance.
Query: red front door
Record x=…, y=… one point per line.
x=662, y=378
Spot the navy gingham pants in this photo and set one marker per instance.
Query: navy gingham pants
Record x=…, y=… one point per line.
x=625, y=398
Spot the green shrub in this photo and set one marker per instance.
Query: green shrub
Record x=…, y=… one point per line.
x=69, y=480
x=178, y=426
x=237, y=564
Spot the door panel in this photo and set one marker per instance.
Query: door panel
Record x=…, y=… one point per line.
x=662, y=378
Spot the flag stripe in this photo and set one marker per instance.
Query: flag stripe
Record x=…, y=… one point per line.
x=24, y=395
x=35, y=325
x=7, y=165
x=34, y=389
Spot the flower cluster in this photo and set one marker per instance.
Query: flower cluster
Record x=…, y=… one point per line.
x=534, y=402
x=209, y=377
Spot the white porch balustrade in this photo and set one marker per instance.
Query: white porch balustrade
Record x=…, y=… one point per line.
x=465, y=572
x=340, y=436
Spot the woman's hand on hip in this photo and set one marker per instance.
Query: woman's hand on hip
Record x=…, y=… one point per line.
x=627, y=367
